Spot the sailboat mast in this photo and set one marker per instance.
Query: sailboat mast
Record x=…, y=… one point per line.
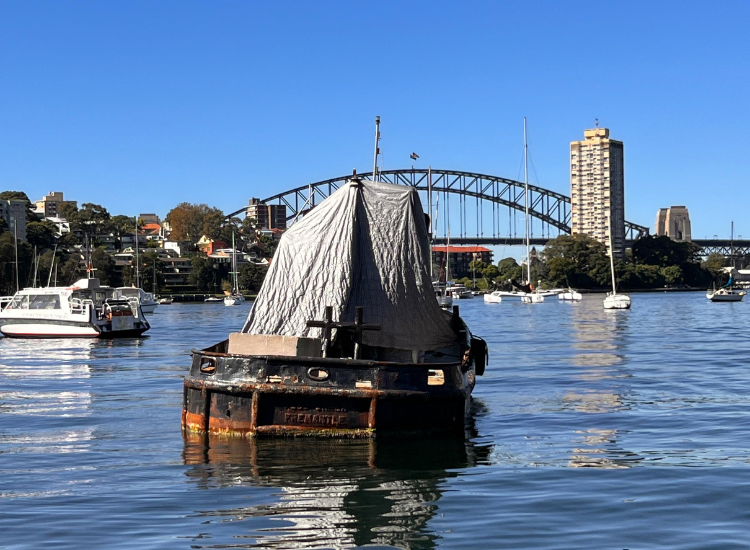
x=377, y=150
x=49, y=277
x=15, y=247
x=429, y=209
x=612, y=255
x=137, y=260
x=235, y=290
x=526, y=200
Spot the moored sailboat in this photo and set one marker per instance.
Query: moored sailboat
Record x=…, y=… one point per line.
x=613, y=300
x=529, y=297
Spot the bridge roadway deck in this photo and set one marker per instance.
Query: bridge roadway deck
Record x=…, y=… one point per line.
x=722, y=246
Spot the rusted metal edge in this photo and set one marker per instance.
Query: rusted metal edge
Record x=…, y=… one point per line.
x=227, y=387
x=335, y=362
x=194, y=423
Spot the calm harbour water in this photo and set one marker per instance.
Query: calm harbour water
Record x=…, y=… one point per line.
x=619, y=429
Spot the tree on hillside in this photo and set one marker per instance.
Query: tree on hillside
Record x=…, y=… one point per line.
x=663, y=251
x=41, y=234
x=121, y=225
x=189, y=222
x=202, y=275
x=577, y=260
x=105, y=267
x=251, y=276
x=67, y=211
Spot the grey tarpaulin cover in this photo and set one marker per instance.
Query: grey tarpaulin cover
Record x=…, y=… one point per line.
x=365, y=245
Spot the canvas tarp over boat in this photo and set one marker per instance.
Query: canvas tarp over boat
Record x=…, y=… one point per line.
x=365, y=245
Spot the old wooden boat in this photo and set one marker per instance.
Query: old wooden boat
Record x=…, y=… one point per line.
x=345, y=337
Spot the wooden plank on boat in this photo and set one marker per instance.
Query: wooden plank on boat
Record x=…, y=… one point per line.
x=270, y=344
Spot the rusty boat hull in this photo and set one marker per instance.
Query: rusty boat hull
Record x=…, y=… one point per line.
x=240, y=395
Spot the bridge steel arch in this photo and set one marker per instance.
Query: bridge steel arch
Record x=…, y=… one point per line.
x=548, y=206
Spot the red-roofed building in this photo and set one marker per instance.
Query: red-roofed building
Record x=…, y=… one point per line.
x=460, y=258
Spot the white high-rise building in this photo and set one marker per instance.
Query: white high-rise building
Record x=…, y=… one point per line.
x=597, y=189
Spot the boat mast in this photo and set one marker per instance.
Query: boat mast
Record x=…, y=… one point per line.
x=36, y=267
x=612, y=255
x=526, y=200
x=377, y=150
x=49, y=277
x=429, y=209
x=15, y=247
x=137, y=260
x=235, y=290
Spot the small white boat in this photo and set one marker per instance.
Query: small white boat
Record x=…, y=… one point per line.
x=443, y=295
x=146, y=299
x=84, y=310
x=727, y=295
x=213, y=300
x=165, y=301
x=616, y=301
x=495, y=297
x=727, y=292
x=460, y=292
x=570, y=295
x=233, y=300
x=532, y=298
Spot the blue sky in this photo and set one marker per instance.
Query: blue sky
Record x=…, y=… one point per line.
x=140, y=105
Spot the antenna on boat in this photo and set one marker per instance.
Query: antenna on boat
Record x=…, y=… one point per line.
x=377, y=149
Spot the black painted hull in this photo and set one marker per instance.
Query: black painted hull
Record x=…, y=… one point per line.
x=281, y=396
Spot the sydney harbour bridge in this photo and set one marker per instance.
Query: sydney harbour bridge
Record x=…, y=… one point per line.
x=480, y=209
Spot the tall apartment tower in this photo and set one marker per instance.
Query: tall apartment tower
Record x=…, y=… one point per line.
x=597, y=189
x=673, y=222
x=268, y=216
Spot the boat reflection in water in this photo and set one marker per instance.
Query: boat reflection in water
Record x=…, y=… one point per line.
x=334, y=493
x=601, y=377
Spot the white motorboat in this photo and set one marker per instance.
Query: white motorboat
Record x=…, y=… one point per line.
x=165, y=301
x=570, y=295
x=213, y=300
x=727, y=295
x=460, y=292
x=84, y=310
x=443, y=295
x=495, y=297
x=146, y=299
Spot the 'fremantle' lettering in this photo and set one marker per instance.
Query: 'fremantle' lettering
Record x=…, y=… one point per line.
x=316, y=419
